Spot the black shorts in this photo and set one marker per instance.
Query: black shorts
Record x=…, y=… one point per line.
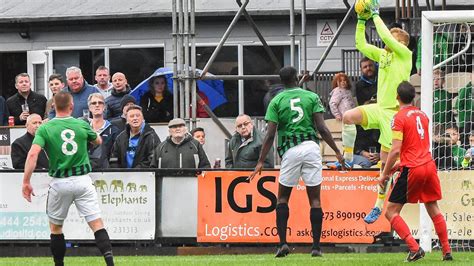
x=417, y=184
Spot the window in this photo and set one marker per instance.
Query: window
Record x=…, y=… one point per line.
x=258, y=62
x=86, y=60
x=136, y=63
x=226, y=63
x=12, y=65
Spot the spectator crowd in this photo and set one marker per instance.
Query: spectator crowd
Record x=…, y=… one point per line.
x=130, y=142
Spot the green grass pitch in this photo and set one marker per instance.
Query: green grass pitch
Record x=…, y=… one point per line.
x=460, y=258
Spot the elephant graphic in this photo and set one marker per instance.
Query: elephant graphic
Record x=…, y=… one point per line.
x=117, y=184
x=466, y=184
x=131, y=187
x=100, y=185
x=143, y=188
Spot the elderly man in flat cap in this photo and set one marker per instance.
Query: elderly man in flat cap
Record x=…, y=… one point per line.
x=180, y=149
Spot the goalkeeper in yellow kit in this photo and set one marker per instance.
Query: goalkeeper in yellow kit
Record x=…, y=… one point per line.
x=395, y=62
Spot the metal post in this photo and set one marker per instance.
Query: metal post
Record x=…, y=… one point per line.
x=338, y=32
x=193, y=63
x=397, y=10
x=403, y=9
x=186, y=61
x=292, y=33
x=224, y=38
x=427, y=107
x=241, y=97
x=303, y=38
x=260, y=37
x=409, y=8
x=175, y=59
x=240, y=77
x=180, y=58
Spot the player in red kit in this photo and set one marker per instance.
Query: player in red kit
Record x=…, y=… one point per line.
x=418, y=180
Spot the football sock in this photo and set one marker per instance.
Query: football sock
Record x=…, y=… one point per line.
x=282, y=214
x=316, y=217
x=58, y=248
x=103, y=243
x=403, y=231
x=382, y=193
x=349, y=133
x=440, y=228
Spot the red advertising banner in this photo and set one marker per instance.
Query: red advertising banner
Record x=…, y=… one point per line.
x=232, y=209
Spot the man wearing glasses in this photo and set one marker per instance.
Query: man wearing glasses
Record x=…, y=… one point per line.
x=99, y=155
x=245, y=145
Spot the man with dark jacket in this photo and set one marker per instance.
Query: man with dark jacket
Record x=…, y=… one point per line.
x=25, y=101
x=245, y=145
x=120, y=122
x=21, y=146
x=120, y=89
x=366, y=87
x=180, y=149
x=4, y=114
x=134, y=146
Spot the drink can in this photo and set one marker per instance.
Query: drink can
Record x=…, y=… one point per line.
x=11, y=121
x=217, y=163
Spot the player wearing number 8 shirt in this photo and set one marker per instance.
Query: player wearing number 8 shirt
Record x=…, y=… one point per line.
x=65, y=140
x=418, y=181
x=298, y=114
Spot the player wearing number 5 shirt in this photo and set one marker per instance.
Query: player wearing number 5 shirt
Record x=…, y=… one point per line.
x=65, y=140
x=418, y=181
x=297, y=114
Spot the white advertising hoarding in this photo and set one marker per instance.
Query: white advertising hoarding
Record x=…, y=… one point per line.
x=127, y=201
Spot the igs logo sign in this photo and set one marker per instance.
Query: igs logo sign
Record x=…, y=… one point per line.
x=232, y=209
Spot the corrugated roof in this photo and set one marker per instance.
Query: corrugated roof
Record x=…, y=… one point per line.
x=49, y=10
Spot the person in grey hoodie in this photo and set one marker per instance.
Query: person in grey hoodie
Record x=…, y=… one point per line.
x=179, y=150
x=120, y=89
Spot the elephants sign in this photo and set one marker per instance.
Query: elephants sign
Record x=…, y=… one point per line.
x=127, y=201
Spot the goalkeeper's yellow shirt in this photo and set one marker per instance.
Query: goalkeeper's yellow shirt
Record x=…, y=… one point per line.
x=394, y=66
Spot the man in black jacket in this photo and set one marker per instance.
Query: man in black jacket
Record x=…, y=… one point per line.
x=25, y=101
x=120, y=122
x=366, y=87
x=21, y=146
x=4, y=114
x=134, y=146
x=180, y=149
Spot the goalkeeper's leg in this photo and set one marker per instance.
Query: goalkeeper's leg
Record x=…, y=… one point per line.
x=381, y=192
x=350, y=119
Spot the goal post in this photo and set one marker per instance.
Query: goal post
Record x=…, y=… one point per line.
x=449, y=22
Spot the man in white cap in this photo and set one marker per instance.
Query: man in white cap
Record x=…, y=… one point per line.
x=180, y=149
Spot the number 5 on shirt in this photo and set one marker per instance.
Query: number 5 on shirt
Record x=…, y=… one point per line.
x=297, y=109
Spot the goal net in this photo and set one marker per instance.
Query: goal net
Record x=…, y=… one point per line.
x=447, y=97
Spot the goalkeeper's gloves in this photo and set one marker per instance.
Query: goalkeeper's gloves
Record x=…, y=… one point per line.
x=374, y=7
x=361, y=18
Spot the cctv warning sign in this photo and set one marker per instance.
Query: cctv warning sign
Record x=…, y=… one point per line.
x=326, y=31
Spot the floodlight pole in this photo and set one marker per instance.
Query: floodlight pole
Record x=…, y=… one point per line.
x=180, y=58
x=292, y=33
x=193, y=64
x=175, y=59
x=303, y=39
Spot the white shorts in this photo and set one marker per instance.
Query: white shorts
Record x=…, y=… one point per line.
x=75, y=189
x=302, y=161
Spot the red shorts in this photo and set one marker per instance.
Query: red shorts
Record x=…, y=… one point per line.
x=417, y=184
